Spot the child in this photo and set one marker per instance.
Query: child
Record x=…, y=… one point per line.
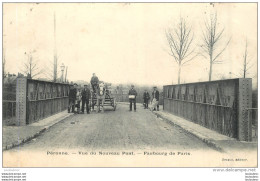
x=78, y=100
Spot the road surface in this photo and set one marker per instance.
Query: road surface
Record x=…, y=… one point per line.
x=120, y=129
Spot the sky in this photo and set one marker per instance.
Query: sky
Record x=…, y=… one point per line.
x=125, y=42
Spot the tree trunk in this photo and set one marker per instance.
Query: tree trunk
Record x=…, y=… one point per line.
x=30, y=71
x=244, y=68
x=210, y=68
x=179, y=73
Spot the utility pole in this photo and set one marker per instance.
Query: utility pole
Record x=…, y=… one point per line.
x=55, y=53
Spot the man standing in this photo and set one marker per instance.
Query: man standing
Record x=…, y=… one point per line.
x=132, y=97
x=146, y=98
x=72, y=98
x=85, y=98
x=155, y=95
x=94, y=82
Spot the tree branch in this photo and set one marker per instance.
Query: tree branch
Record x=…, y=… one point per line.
x=221, y=51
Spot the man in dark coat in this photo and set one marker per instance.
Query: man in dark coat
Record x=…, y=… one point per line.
x=155, y=95
x=132, y=97
x=85, y=98
x=146, y=98
x=72, y=98
x=94, y=82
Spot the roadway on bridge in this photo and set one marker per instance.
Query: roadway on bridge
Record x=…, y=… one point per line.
x=118, y=129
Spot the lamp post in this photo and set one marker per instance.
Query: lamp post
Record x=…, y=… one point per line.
x=62, y=67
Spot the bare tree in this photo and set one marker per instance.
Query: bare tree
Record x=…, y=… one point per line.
x=180, y=40
x=247, y=63
x=31, y=67
x=211, y=39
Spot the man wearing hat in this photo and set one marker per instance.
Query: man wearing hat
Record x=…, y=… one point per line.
x=94, y=82
x=132, y=97
x=155, y=100
x=72, y=97
x=85, y=98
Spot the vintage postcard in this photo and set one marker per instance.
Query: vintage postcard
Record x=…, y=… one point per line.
x=129, y=85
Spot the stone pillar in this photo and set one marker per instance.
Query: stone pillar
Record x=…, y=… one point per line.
x=244, y=102
x=21, y=94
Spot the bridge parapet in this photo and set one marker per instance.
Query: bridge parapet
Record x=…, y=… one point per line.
x=218, y=105
x=36, y=99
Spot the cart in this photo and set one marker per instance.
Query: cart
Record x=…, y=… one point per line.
x=109, y=100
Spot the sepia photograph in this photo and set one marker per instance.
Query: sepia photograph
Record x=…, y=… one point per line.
x=130, y=85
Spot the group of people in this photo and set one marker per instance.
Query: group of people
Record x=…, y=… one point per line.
x=146, y=96
x=78, y=97
x=154, y=101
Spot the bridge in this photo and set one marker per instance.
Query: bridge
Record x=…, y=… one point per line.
x=223, y=106
x=220, y=109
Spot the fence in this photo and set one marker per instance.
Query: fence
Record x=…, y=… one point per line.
x=9, y=113
x=252, y=119
x=9, y=103
x=217, y=105
x=39, y=99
